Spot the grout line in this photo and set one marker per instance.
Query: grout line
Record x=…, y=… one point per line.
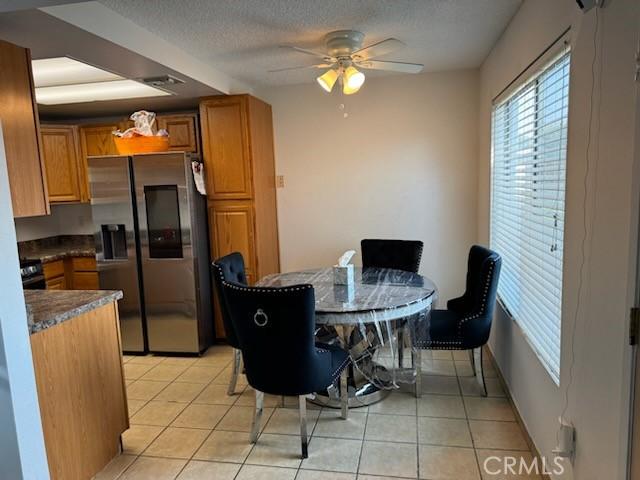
x=473, y=442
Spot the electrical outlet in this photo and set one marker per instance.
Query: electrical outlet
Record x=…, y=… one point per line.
x=279, y=181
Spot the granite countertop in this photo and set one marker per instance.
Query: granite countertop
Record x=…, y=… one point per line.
x=46, y=308
x=56, y=248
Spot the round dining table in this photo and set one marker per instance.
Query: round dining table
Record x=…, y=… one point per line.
x=367, y=318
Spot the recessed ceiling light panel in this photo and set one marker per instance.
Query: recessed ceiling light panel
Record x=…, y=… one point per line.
x=49, y=72
x=96, y=92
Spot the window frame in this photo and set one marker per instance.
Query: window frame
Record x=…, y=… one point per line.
x=530, y=75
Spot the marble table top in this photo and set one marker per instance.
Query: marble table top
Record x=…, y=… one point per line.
x=377, y=294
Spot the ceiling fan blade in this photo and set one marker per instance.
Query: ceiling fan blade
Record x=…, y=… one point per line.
x=324, y=56
x=302, y=67
x=400, y=67
x=378, y=49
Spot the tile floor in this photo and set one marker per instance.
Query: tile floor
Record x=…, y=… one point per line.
x=185, y=427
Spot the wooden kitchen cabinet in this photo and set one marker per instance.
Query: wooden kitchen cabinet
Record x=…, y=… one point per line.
x=97, y=140
x=21, y=133
x=71, y=273
x=63, y=163
x=80, y=381
x=237, y=144
x=231, y=230
x=226, y=147
x=183, y=136
x=54, y=275
x=83, y=273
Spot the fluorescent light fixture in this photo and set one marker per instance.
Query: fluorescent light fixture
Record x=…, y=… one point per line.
x=96, y=92
x=48, y=72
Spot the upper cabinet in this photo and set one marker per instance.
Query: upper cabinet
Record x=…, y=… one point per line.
x=21, y=133
x=65, y=173
x=182, y=131
x=226, y=148
x=97, y=140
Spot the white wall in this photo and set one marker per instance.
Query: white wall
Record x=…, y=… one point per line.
x=22, y=452
x=599, y=396
x=402, y=165
x=73, y=219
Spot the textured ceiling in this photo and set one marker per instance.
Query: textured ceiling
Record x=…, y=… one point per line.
x=242, y=37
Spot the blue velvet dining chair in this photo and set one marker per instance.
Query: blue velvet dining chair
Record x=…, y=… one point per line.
x=275, y=329
x=229, y=268
x=466, y=323
x=397, y=254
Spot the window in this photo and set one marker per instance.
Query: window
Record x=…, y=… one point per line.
x=529, y=151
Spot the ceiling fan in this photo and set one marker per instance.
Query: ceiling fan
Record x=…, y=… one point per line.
x=345, y=54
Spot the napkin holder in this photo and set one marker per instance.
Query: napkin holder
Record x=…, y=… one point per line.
x=343, y=275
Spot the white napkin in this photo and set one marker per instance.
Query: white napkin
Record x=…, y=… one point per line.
x=344, y=260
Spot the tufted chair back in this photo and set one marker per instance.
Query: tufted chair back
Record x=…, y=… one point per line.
x=397, y=254
x=477, y=304
x=275, y=328
x=229, y=268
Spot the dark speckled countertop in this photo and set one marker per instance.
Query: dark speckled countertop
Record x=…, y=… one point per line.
x=56, y=248
x=46, y=308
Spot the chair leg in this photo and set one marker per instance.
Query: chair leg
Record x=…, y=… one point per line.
x=416, y=359
x=237, y=359
x=257, y=417
x=344, y=394
x=472, y=360
x=479, y=370
x=303, y=425
x=400, y=333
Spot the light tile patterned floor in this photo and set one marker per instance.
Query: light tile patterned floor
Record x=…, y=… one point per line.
x=185, y=427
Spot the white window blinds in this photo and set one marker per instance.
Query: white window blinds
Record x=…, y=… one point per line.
x=529, y=146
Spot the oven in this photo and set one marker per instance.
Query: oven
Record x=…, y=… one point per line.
x=32, y=276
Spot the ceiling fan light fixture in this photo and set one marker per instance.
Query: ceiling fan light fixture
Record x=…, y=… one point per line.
x=328, y=79
x=353, y=80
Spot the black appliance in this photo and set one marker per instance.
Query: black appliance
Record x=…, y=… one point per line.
x=32, y=276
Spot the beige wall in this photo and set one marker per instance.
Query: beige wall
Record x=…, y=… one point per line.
x=599, y=396
x=402, y=165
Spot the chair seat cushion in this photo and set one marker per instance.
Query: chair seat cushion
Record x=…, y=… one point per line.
x=439, y=332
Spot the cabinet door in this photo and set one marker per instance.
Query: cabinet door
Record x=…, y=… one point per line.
x=57, y=283
x=97, y=140
x=60, y=152
x=182, y=131
x=21, y=131
x=225, y=143
x=232, y=226
x=85, y=280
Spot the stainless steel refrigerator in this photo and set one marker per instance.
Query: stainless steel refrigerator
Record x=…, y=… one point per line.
x=152, y=243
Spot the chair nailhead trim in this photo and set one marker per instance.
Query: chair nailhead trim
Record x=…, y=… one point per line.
x=340, y=368
x=268, y=290
x=484, y=299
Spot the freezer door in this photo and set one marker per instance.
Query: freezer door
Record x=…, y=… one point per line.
x=163, y=196
x=112, y=209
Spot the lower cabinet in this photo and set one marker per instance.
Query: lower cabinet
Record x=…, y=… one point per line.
x=81, y=388
x=74, y=273
x=54, y=275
